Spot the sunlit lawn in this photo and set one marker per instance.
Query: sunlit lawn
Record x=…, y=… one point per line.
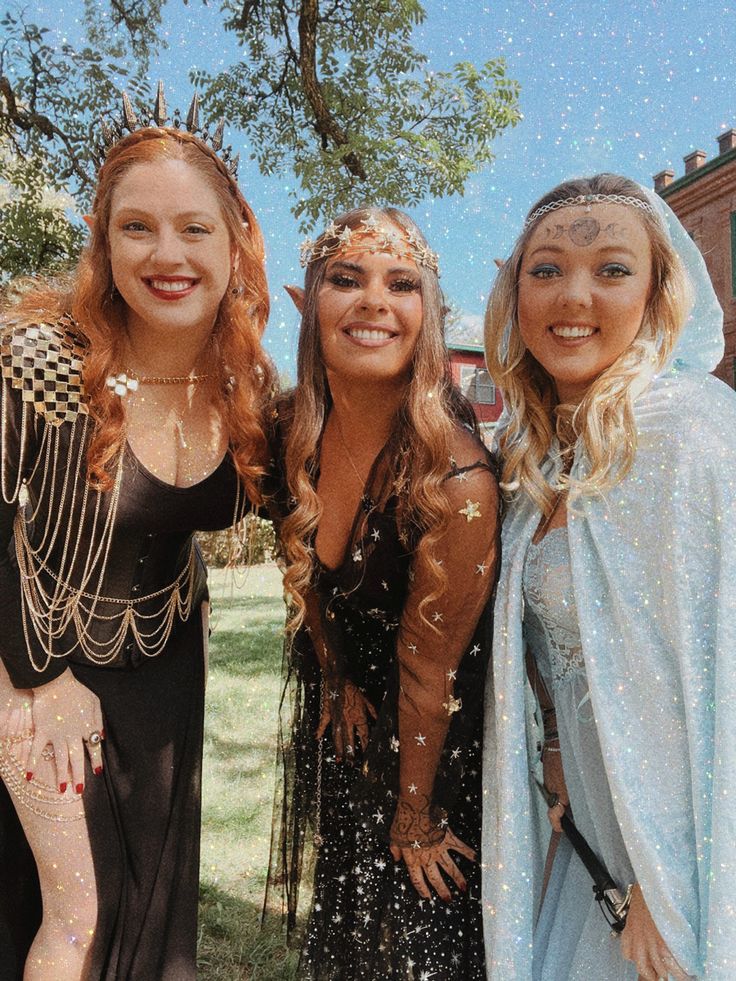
x=240, y=738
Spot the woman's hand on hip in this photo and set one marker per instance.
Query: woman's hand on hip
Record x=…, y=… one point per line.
x=66, y=715
x=643, y=945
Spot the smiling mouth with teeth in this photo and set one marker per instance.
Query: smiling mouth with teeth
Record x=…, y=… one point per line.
x=364, y=334
x=560, y=330
x=171, y=286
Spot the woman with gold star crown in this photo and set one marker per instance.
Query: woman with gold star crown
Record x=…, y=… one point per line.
x=388, y=526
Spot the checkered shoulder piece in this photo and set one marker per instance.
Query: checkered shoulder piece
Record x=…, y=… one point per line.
x=45, y=362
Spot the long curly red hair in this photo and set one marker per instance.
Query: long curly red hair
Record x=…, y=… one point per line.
x=246, y=375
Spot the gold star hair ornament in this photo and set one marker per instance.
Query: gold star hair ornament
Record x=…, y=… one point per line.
x=370, y=235
x=114, y=129
x=588, y=200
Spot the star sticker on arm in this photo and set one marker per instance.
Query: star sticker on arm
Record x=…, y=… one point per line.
x=480, y=569
x=421, y=740
x=471, y=510
x=412, y=788
x=451, y=674
x=452, y=705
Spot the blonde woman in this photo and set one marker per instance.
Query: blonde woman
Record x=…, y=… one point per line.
x=389, y=534
x=131, y=416
x=619, y=454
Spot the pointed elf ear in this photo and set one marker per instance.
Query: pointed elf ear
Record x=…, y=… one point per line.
x=89, y=221
x=297, y=296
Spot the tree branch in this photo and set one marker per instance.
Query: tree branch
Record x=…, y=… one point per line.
x=327, y=126
x=29, y=121
x=240, y=23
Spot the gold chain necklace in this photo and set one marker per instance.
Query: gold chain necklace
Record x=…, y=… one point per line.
x=362, y=480
x=166, y=379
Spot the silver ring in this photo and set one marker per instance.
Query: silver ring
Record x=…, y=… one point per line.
x=48, y=753
x=94, y=738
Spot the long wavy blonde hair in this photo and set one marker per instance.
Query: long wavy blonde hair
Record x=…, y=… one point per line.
x=604, y=419
x=418, y=450
x=245, y=373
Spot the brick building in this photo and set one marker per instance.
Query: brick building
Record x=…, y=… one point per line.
x=704, y=199
x=469, y=373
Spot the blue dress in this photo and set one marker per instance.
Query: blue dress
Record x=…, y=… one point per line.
x=572, y=939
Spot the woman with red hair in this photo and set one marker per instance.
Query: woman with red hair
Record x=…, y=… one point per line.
x=131, y=416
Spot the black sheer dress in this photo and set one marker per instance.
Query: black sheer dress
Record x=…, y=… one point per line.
x=421, y=769
x=134, y=637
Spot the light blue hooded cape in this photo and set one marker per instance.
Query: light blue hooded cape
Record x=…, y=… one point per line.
x=654, y=574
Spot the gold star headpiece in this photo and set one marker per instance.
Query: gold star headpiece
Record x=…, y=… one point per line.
x=370, y=235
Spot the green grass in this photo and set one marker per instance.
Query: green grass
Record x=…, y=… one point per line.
x=239, y=758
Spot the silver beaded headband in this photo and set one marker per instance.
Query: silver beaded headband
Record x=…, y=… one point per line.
x=588, y=200
x=114, y=130
x=369, y=236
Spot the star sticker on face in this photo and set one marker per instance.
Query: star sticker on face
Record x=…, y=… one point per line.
x=471, y=510
x=461, y=476
x=437, y=617
x=412, y=648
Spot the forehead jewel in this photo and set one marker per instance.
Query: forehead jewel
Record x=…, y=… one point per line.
x=588, y=200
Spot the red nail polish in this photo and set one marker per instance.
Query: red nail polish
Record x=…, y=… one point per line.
x=79, y=788
x=102, y=733
x=62, y=788
x=98, y=771
x=29, y=775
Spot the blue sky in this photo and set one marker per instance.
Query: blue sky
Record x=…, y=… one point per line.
x=604, y=86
